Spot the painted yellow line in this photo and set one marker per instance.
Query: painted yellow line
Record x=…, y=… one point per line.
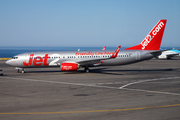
x=128, y=109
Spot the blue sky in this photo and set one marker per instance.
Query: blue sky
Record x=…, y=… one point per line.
x=88, y=23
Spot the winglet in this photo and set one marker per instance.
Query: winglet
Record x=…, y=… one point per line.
x=116, y=52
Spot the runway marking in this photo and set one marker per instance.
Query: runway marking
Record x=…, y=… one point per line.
x=170, y=89
x=66, y=83
x=92, y=85
x=168, y=93
x=133, y=81
x=94, y=111
x=148, y=80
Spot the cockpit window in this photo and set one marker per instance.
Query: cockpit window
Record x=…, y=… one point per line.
x=14, y=57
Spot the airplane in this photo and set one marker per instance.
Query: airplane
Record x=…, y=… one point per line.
x=169, y=54
x=73, y=60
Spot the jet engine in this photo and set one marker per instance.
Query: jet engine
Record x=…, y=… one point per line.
x=69, y=66
x=162, y=57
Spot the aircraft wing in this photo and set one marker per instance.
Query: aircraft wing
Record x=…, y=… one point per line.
x=89, y=62
x=99, y=60
x=92, y=61
x=158, y=52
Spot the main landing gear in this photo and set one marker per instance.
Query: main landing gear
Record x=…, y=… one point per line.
x=23, y=71
x=86, y=69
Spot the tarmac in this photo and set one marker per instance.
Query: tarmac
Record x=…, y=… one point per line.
x=148, y=90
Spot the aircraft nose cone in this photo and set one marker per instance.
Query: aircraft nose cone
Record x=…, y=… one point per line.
x=8, y=62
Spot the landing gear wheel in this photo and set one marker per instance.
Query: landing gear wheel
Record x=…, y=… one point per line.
x=86, y=69
x=23, y=70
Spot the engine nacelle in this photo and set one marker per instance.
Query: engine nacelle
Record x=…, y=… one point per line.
x=69, y=66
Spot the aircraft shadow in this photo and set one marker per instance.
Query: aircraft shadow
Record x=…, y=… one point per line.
x=104, y=71
x=119, y=72
x=49, y=71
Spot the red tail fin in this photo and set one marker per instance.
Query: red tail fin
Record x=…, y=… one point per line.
x=153, y=40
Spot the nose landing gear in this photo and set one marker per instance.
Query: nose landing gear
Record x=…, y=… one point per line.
x=20, y=69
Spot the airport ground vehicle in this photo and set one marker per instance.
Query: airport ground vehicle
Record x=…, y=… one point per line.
x=1, y=72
